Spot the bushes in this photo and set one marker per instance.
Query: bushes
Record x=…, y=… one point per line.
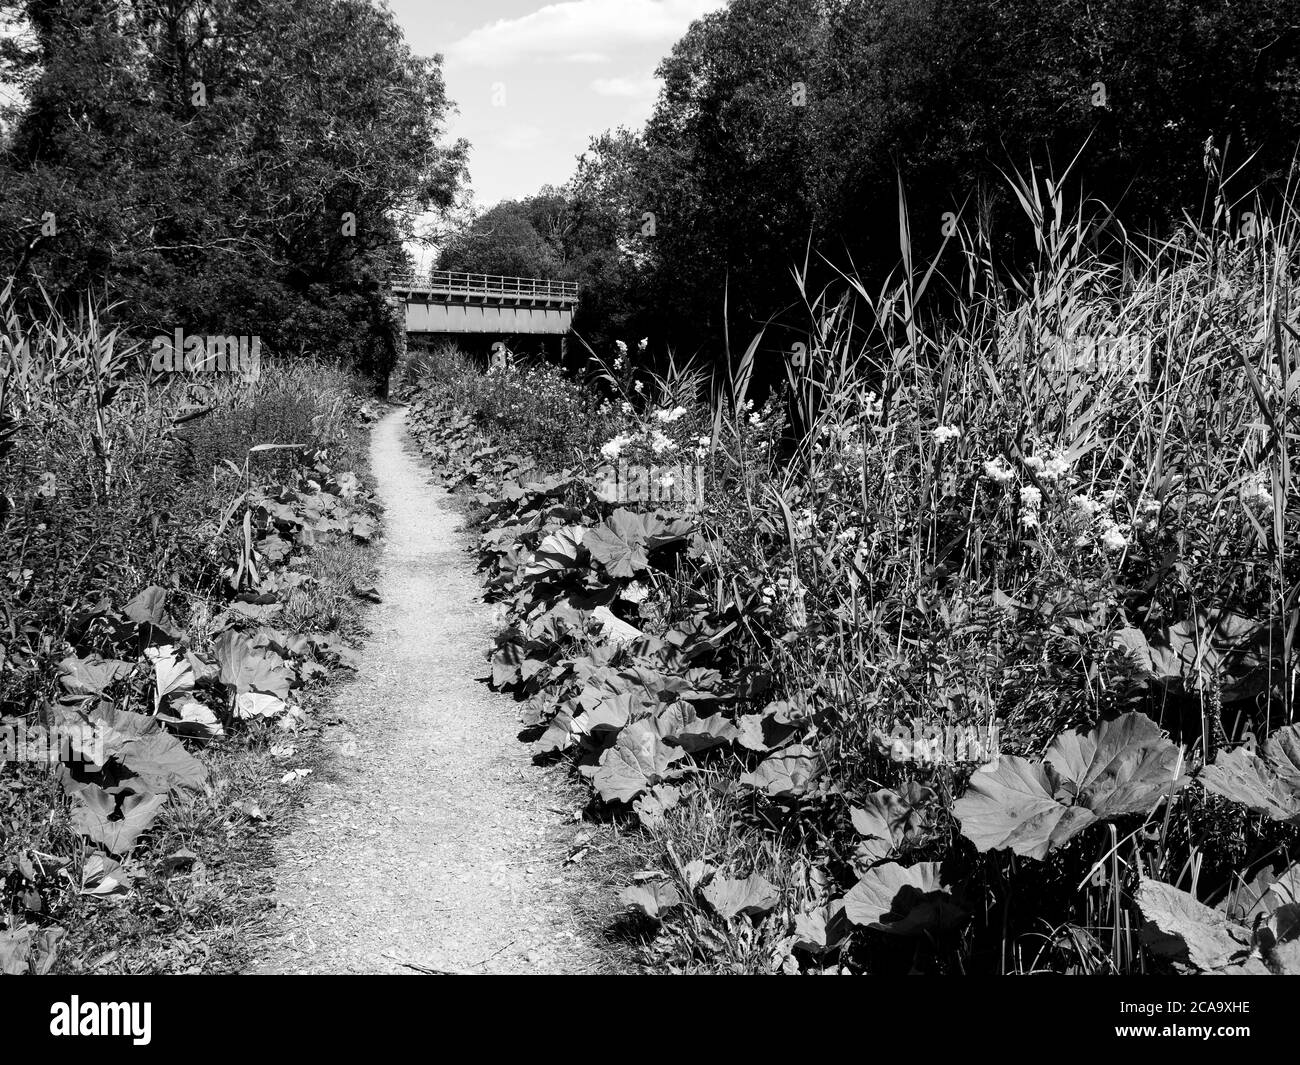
x=954, y=542
x=151, y=528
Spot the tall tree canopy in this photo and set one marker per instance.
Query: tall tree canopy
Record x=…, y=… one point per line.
x=785, y=125
x=230, y=166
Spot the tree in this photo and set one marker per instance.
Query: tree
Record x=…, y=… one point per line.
x=784, y=127
x=225, y=167
x=505, y=241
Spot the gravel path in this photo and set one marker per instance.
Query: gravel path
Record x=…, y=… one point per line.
x=429, y=839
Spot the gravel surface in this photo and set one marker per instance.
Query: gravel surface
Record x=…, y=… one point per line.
x=429, y=840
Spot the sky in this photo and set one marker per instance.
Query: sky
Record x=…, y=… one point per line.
x=534, y=82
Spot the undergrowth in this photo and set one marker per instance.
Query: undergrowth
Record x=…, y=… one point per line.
x=977, y=652
x=183, y=560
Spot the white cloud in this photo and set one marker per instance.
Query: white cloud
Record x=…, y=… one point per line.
x=631, y=88
x=579, y=30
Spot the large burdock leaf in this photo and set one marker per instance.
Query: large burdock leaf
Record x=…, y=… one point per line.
x=91, y=675
x=651, y=899
x=1183, y=930
x=115, y=821
x=564, y=730
x=163, y=762
x=887, y=819
x=556, y=552
x=245, y=668
x=619, y=544
x=753, y=896
x=506, y=662
x=661, y=533
x=27, y=950
x=904, y=902
x=171, y=674
x=637, y=760
x=680, y=723
x=1252, y=781
x=1268, y=785
x=1010, y=805
x=148, y=607
x=1123, y=766
x=785, y=775
x=1264, y=895
x=255, y=704
x=821, y=930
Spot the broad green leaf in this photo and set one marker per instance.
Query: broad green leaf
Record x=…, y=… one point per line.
x=1184, y=930
x=904, y=902
x=1009, y=804
x=638, y=759
x=171, y=674
x=163, y=762
x=255, y=704
x=886, y=819
x=753, y=896
x=618, y=544
x=1123, y=766
x=245, y=668
x=785, y=775
x=556, y=552
x=149, y=607
x=115, y=821
x=1269, y=785
x=91, y=675
x=651, y=899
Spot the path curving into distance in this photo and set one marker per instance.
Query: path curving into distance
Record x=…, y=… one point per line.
x=430, y=842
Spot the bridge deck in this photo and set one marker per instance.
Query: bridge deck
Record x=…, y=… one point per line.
x=455, y=287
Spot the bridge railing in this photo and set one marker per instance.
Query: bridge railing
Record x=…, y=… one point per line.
x=456, y=283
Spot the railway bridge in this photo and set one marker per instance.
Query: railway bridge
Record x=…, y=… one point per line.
x=447, y=301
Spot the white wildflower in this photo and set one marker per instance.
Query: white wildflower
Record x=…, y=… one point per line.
x=997, y=471
x=1050, y=469
x=1030, y=500
x=1112, y=539
x=944, y=433
x=611, y=448
x=660, y=443
x=1086, y=507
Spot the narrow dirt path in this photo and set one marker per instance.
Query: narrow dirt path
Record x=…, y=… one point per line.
x=431, y=839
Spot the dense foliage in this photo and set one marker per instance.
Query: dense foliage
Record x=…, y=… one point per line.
x=169, y=611
x=222, y=167
x=991, y=668
x=785, y=125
